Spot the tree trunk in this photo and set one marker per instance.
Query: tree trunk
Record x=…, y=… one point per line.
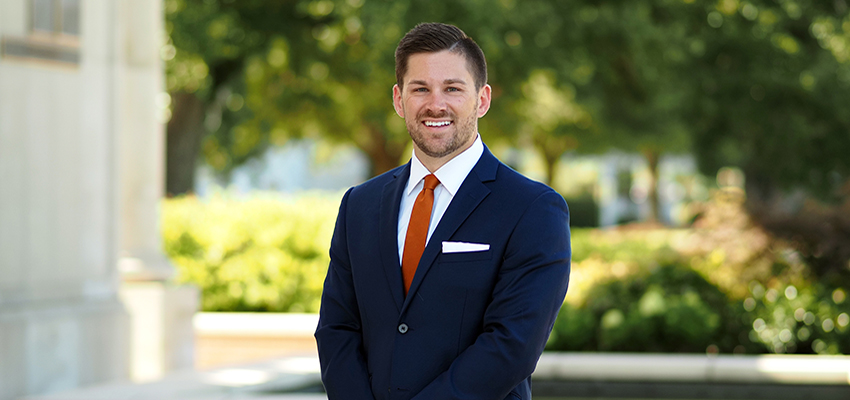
x=551, y=161
x=383, y=154
x=552, y=147
x=652, y=157
x=183, y=142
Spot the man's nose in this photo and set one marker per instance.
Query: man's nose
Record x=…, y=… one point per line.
x=436, y=101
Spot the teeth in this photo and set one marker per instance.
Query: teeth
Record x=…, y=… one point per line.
x=440, y=123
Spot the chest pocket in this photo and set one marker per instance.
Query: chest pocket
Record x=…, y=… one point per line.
x=472, y=271
x=469, y=256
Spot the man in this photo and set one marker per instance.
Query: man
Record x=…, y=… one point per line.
x=446, y=273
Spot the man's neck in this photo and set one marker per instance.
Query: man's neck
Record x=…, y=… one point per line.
x=433, y=164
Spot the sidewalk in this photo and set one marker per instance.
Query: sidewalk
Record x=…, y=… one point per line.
x=294, y=378
x=559, y=375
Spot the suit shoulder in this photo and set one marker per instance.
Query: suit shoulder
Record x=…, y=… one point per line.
x=531, y=199
x=376, y=184
x=510, y=178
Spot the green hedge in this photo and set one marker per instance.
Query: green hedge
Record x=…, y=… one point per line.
x=791, y=319
x=668, y=309
x=696, y=290
x=265, y=253
x=723, y=287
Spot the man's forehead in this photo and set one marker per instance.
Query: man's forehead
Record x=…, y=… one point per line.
x=446, y=66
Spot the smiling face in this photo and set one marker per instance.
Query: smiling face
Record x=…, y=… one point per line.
x=440, y=106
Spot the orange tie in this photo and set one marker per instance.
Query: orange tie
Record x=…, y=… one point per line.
x=417, y=230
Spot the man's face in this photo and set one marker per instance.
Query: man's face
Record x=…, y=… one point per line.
x=440, y=105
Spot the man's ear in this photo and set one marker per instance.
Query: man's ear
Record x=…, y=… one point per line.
x=399, y=108
x=484, y=97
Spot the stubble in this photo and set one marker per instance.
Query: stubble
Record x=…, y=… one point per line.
x=464, y=130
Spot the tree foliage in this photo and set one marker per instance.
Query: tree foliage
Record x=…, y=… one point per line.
x=760, y=84
x=771, y=87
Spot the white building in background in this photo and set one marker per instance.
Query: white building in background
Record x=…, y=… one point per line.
x=617, y=181
x=624, y=181
x=81, y=175
x=294, y=167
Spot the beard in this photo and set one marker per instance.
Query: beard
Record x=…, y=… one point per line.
x=459, y=136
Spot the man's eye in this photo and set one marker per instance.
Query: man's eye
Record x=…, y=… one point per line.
x=422, y=89
x=452, y=89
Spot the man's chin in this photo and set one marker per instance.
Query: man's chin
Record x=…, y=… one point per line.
x=436, y=153
x=440, y=145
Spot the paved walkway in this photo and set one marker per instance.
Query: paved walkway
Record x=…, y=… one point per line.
x=291, y=378
x=297, y=378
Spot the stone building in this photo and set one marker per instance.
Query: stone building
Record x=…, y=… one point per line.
x=84, y=292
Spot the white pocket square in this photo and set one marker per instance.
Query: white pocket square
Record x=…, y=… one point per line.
x=463, y=247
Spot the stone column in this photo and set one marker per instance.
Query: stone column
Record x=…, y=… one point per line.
x=61, y=322
x=161, y=312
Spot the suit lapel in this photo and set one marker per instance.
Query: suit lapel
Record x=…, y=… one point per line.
x=471, y=193
x=388, y=232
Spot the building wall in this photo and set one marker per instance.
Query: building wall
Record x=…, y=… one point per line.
x=65, y=195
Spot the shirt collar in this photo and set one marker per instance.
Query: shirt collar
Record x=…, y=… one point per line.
x=451, y=174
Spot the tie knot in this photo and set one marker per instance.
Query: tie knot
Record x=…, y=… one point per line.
x=431, y=182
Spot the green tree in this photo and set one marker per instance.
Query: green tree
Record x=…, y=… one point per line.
x=211, y=45
x=737, y=82
x=772, y=84
x=757, y=84
x=636, y=52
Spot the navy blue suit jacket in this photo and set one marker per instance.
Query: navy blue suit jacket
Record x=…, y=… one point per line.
x=474, y=324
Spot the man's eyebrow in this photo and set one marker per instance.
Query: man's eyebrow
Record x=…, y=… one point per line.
x=454, y=81
x=451, y=81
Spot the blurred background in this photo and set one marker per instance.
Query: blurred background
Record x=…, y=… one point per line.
x=159, y=158
x=709, y=139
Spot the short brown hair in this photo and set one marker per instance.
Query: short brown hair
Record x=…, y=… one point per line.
x=433, y=37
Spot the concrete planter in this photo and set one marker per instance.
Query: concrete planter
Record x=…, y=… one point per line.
x=239, y=338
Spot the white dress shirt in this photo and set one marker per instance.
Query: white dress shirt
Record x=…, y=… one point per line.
x=451, y=176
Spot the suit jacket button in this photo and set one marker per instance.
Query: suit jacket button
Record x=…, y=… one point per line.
x=402, y=329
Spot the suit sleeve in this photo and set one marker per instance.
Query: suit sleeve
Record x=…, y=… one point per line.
x=527, y=296
x=339, y=334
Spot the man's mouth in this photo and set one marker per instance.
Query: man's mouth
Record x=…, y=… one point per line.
x=437, y=124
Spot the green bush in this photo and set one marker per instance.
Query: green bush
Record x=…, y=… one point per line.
x=584, y=211
x=669, y=308
x=574, y=330
x=809, y=320
x=265, y=253
x=604, y=255
x=721, y=288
